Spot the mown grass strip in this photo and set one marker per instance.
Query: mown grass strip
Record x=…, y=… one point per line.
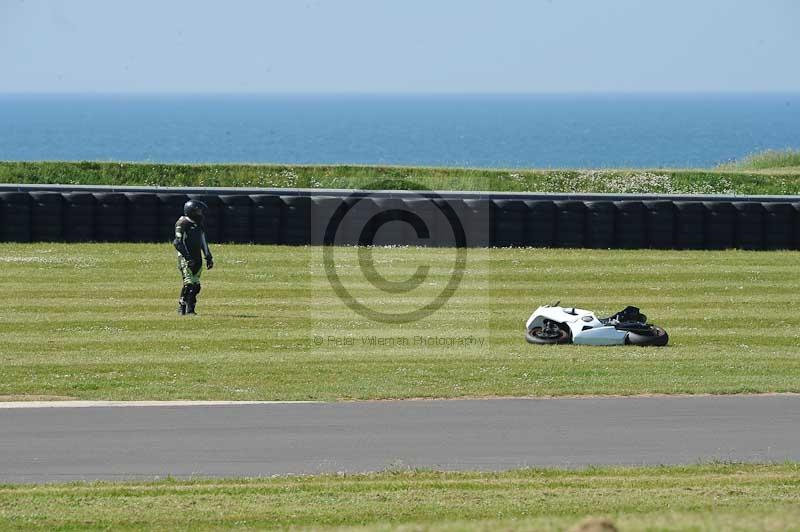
x=710, y=496
x=97, y=321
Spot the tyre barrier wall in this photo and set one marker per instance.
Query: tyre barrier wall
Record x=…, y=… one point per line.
x=83, y=216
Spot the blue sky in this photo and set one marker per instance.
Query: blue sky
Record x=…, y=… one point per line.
x=398, y=46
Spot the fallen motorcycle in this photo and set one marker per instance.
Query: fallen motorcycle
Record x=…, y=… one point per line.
x=553, y=324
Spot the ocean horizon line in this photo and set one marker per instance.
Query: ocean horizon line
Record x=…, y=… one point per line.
x=410, y=94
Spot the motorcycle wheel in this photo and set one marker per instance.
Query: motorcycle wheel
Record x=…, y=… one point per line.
x=535, y=336
x=657, y=337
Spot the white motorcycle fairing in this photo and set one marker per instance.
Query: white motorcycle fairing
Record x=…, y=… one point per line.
x=584, y=327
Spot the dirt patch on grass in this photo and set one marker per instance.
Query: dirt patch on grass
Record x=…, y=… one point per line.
x=574, y=396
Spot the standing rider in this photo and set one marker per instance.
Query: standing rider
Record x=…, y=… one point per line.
x=190, y=241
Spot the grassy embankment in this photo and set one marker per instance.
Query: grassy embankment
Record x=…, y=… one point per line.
x=97, y=321
x=707, y=497
x=775, y=172
x=785, y=161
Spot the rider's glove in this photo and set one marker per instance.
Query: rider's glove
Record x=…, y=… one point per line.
x=209, y=262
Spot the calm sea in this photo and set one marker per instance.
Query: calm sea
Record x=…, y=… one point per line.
x=478, y=131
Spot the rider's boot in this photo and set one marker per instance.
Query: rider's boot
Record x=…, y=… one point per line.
x=182, y=301
x=191, y=302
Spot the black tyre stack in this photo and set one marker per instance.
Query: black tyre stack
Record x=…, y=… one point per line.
x=295, y=220
x=570, y=221
x=509, y=218
x=690, y=225
x=143, y=217
x=600, y=224
x=476, y=216
x=796, y=227
x=434, y=222
x=237, y=214
x=450, y=228
x=779, y=226
x=170, y=208
x=15, y=216
x=266, y=218
x=540, y=230
x=326, y=215
x=408, y=233
x=393, y=231
x=212, y=223
x=749, y=225
x=720, y=227
x=47, y=217
x=111, y=217
x=361, y=210
x=631, y=224
x=79, y=221
x=660, y=222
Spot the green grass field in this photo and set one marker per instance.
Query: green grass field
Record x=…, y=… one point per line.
x=773, y=172
x=787, y=160
x=97, y=321
x=706, y=497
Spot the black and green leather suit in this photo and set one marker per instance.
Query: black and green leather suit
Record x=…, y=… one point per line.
x=190, y=242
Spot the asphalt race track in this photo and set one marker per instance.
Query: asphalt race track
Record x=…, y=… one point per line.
x=113, y=442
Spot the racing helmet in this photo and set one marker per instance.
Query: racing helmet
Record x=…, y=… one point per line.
x=195, y=210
